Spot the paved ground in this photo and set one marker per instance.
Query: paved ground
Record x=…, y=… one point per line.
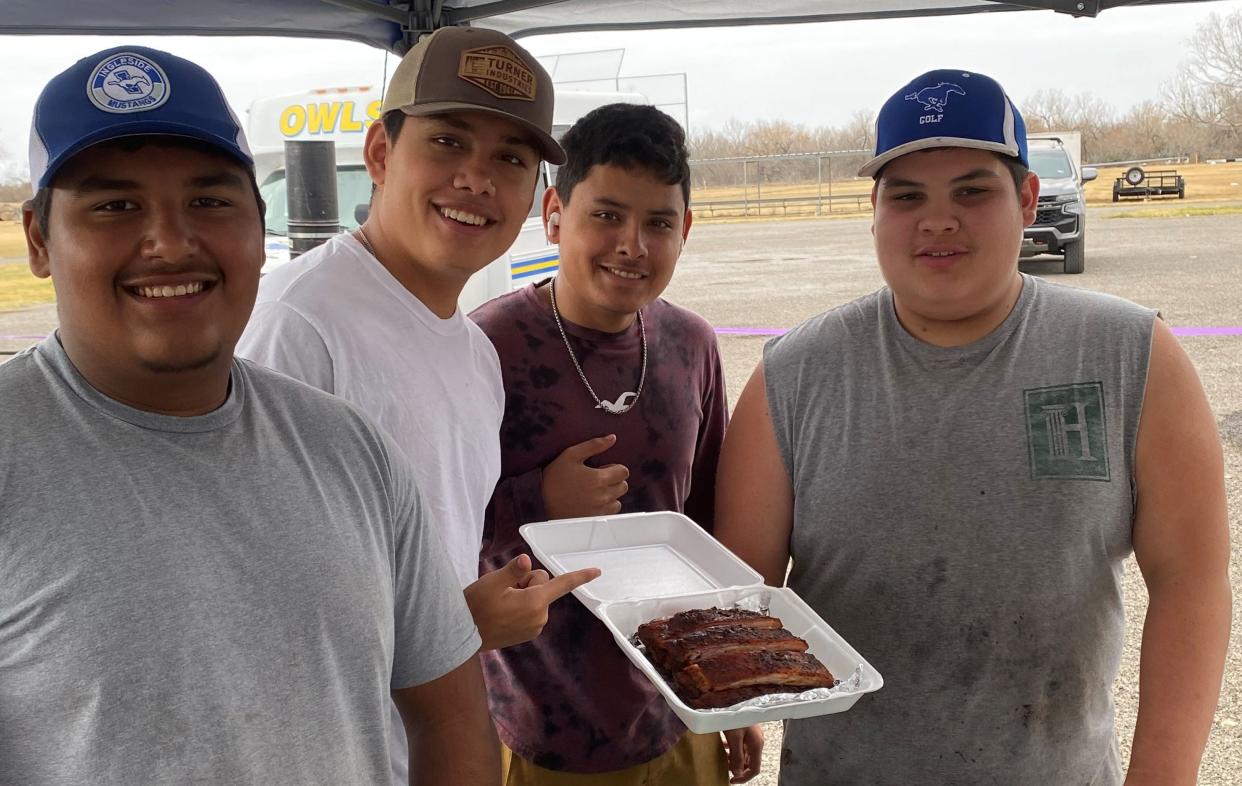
x=774, y=274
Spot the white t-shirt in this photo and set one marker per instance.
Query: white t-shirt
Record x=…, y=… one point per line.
x=336, y=318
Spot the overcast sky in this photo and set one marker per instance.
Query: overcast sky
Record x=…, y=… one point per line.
x=815, y=74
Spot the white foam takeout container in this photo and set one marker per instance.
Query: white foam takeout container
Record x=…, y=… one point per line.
x=658, y=564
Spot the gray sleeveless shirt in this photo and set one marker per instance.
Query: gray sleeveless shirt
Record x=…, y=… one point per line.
x=961, y=516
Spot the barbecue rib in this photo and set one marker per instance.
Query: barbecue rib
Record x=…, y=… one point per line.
x=681, y=651
x=656, y=635
x=719, y=657
x=798, y=670
x=700, y=619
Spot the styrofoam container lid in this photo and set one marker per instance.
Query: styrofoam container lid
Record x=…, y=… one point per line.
x=641, y=556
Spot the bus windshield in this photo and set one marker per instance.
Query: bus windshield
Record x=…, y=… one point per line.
x=353, y=188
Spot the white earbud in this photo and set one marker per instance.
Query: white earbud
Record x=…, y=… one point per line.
x=554, y=220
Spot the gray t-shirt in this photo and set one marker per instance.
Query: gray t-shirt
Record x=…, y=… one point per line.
x=961, y=515
x=227, y=598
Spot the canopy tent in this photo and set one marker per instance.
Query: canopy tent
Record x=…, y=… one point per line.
x=396, y=24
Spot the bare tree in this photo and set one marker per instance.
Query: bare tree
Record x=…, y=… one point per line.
x=14, y=186
x=1208, y=87
x=1051, y=109
x=1048, y=109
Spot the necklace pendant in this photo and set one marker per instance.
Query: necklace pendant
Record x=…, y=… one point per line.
x=623, y=404
x=626, y=401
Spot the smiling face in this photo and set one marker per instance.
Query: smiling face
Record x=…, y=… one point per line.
x=154, y=250
x=948, y=227
x=620, y=236
x=452, y=193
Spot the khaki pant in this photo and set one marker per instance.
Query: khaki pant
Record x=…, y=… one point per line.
x=696, y=760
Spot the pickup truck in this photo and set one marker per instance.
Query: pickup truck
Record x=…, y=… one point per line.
x=1060, y=225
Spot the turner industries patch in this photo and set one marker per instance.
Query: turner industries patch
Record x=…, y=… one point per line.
x=499, y=71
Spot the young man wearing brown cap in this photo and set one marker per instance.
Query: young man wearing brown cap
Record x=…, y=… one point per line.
x=372, y=315
x=211, y=573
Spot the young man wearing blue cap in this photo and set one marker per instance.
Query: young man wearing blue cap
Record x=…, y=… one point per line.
x=958, y=465
x=212, y=573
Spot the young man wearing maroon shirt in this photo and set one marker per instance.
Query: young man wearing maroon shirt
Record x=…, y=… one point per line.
x=615, y=402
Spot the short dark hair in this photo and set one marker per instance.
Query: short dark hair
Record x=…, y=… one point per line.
x=394, y=121
x=41, y=203
x=631, y=136
x=1017, y=170
x=41, y=206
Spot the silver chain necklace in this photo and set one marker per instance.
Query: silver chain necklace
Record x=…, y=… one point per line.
x=621, y=406
x=362, y=238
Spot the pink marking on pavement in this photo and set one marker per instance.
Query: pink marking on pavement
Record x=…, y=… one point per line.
x=745, y=331
x=1177, y=331
x=770, y=331
x=1207, y=331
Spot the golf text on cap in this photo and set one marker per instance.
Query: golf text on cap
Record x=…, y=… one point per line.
x=128, y=82
x=935, y=99
x=499, y=71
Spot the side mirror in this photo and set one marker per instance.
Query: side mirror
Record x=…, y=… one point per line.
x=1089, y=173
x=361, y=212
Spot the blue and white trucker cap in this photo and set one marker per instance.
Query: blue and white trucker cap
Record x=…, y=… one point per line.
x=947, y=108
x=129, y=91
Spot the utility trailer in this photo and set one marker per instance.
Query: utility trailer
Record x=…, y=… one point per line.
x=1137, y=184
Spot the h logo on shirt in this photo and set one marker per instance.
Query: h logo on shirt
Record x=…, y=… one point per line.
x=1067, y=435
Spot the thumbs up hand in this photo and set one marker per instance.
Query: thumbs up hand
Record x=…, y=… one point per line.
x=572, y=489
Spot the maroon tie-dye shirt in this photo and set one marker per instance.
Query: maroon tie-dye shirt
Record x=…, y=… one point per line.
x=570, y=700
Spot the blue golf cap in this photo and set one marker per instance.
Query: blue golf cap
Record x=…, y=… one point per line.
x=129, y=91
x=947, y=108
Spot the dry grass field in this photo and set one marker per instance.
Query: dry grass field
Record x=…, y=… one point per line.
x=1204, y=183
x=18, y=288
x=12, y=240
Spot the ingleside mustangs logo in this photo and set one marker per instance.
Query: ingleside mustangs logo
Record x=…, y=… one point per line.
x=128, y=82
x=935, y=99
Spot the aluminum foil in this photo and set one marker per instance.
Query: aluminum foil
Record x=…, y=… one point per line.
x=851, y=684
x=843, y=687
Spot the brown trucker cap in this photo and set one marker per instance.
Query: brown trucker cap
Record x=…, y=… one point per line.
x=472, y=69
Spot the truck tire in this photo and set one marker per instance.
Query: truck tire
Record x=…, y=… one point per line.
x=1134, y=175
x=1075, y=256
x=1116, y=193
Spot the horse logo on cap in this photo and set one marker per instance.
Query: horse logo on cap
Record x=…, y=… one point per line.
x=128, y=82
x=935, y=98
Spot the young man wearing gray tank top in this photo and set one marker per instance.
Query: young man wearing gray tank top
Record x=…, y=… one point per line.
x=958, y=465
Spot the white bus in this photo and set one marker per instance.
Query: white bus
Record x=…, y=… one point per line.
x=342, y=115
